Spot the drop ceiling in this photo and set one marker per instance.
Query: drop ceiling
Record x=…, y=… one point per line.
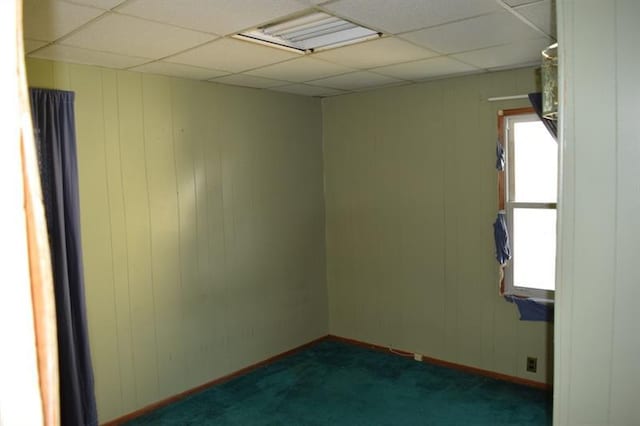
x=422, y=40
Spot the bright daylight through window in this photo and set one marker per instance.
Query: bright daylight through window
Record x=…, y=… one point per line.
x=531, y=196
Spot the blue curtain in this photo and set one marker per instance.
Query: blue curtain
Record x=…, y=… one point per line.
x=500, y=157
x=54, y=125
x=501, y=238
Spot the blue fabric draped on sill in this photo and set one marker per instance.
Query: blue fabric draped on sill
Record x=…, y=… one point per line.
x=531, y=310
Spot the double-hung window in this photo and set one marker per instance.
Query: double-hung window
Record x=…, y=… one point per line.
x=531, y=192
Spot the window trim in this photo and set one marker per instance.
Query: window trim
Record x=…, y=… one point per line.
x=506, y=281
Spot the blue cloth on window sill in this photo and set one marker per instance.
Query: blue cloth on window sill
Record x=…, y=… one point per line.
x=532, y=310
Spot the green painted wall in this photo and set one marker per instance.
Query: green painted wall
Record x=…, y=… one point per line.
x=202, y=225
x=411, y=194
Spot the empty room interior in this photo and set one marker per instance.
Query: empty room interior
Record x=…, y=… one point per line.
x=346, y=211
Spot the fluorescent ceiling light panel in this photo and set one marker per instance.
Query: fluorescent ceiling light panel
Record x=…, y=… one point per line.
x=312, y=32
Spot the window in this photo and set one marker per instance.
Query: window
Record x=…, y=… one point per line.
x=530, y=196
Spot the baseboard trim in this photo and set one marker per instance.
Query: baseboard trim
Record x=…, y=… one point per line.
x=472, y=370
x=442, y=363
x=225, y=378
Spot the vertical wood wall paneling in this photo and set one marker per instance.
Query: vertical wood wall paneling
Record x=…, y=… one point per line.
x=427, y=182
x=597, y=342
x=203, y=227
x=119, y=249
x=203, y=291
x=339, y=247
x=139, y=248
x=594, y=183
x=410, y=195
x=184, y=131
x=98, y=263
x=164, y=226
x=216, y=302
x=625, y=379
x=566, y=229
x=239, y=143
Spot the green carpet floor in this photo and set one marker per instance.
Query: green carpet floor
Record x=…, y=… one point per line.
x=333, y=383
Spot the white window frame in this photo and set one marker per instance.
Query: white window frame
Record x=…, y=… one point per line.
x=510, y=205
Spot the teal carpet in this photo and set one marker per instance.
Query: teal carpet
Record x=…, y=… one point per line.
x=333, y=383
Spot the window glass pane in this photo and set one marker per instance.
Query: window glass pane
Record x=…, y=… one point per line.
x=536, y=163
x=534, y=248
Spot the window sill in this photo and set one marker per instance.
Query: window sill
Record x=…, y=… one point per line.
x=548, y=302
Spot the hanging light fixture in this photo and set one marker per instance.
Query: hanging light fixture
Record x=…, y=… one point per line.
x=550, y=82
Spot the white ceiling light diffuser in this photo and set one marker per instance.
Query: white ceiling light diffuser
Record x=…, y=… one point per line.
x=308, y=33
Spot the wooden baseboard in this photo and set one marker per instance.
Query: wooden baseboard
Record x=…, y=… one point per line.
x=435, y=361
x=175, y=398
x=442, y=363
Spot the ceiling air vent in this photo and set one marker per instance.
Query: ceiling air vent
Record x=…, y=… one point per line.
x=309, y=33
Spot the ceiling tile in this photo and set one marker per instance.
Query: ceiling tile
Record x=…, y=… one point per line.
x=102, y=4
x=215, y=16
x=313, y=2
x=31, y=45
x=62, y=53
x=542, y=15
x=125, y=35
x=519, y=53
x=356, y=80
x=514, y=3
x=300, y=69
x=395, y=18
x=179, y=38
x=248, y=81
x=50, y=19
x=375, y=53
x=475, y=33
x=307, y=90
x=232, y=55
x=179, y=70
x=424, y=69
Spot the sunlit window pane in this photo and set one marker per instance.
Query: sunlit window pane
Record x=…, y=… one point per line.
x=536, y=166
x=534, y=248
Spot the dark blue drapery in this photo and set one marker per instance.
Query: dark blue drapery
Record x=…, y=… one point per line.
x=54, y=126
x=500, y=157
x=501, y=238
